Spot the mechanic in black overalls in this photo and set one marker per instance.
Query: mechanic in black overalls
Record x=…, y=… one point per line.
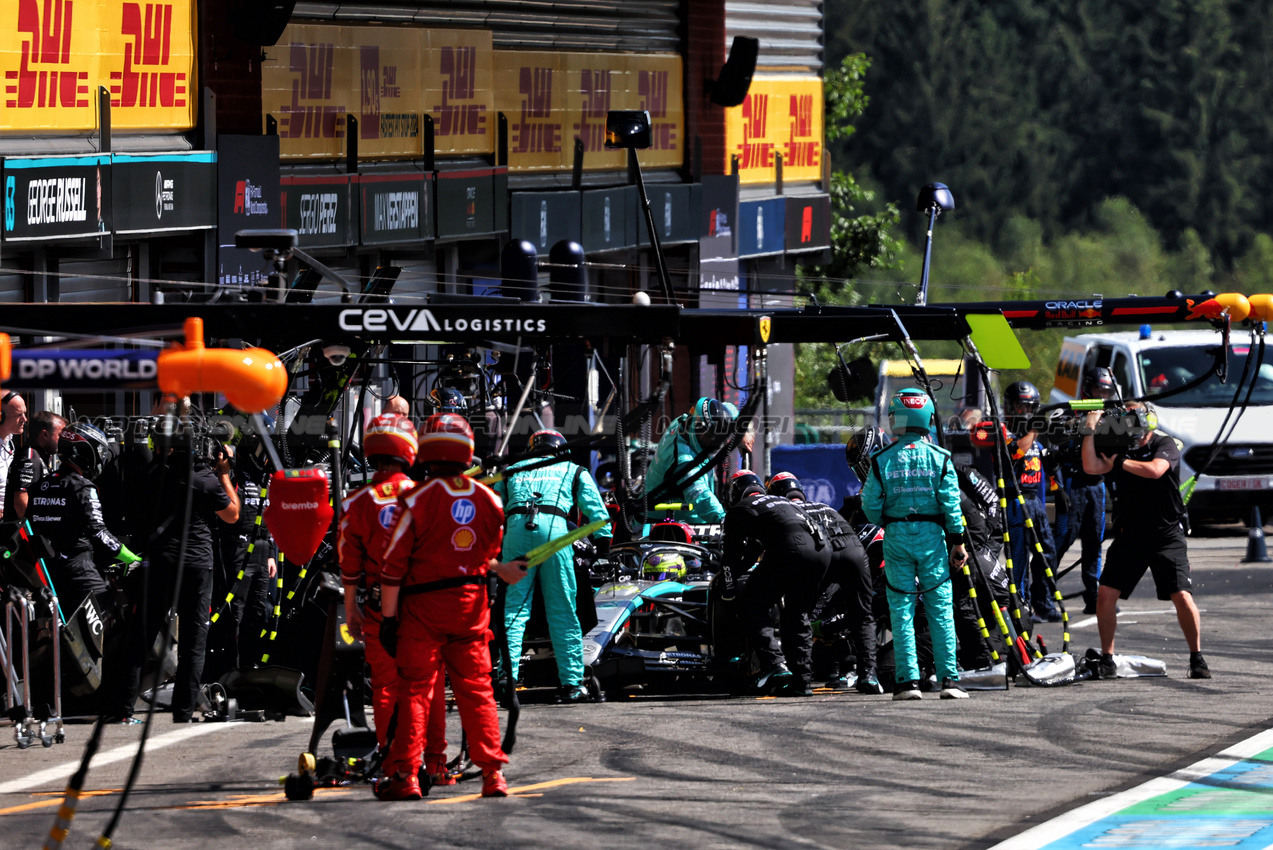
x=848, y=576
x=979, y=503
x=794, y=555
x=251, y=605
x=64, y=509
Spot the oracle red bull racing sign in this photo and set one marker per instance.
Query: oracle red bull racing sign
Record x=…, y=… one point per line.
x=1079, y=313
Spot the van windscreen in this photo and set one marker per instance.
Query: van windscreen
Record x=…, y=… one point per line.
x=1165, y=369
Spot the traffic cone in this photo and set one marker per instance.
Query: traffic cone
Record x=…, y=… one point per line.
x=1256, y=552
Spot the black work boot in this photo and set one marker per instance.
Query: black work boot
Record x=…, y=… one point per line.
x=906, y=691
x=772, y=679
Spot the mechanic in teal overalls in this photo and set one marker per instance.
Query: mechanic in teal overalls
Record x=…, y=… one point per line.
x=537, y=503
x=690, y=434
x=912, y=491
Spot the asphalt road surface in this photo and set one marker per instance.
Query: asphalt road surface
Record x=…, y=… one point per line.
x=836, y=770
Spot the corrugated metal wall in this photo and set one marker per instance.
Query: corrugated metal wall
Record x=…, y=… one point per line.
x=13, y=280
x=790, y=33
x=631, y=26
x=95, y=280
x=419, y=277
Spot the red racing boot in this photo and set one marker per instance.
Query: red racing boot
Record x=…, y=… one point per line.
x=399, y=788
x=438, y=774
x=493, y=784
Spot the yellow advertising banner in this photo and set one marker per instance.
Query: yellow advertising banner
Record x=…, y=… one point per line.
x=532, y=95
x=550, y=99
x=460, y=83
x=595, y=84
x=56, y=53
x=781, y=116
x=656, y=86
x=387, y=78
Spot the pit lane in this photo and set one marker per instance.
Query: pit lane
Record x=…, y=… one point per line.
x=836, y=770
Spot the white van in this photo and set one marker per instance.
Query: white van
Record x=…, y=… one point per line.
x=1241, y=475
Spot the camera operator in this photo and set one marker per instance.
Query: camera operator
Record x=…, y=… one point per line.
x=1020, y=404
x=44, y=430
x=1083, y=497
x=1146, y=536
x=198, y=475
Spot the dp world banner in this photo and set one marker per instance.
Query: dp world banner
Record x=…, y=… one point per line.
x=83, y=369
x=55, y=53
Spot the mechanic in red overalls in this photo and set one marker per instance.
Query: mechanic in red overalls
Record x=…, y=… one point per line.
x=367, y=517
x=435, y=607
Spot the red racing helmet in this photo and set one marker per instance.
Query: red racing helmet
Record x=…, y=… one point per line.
x=784, y=485
x=446, y=438
x=741, y=483
x=393, y=436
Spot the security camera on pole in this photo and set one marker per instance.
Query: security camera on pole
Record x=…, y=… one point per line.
x=933, y=199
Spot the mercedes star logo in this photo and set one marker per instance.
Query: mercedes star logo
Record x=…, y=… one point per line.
x=159, y=195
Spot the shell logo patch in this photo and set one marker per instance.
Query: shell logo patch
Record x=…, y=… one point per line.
x=463, y=539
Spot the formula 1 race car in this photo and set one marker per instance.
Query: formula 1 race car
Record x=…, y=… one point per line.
x=662, y=621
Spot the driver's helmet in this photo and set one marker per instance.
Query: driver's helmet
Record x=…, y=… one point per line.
x=664, y=566
x=448, y=400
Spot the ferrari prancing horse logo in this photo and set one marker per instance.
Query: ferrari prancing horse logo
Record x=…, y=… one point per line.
x=765, y=325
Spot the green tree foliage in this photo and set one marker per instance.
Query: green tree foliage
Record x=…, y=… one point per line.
x=1045, y=109
x=1119, y=255
x=1093, y=149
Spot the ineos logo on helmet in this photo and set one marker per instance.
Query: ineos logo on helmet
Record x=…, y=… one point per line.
x=911, y=411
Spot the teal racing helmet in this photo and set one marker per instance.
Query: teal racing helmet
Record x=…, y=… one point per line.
x=664, y=566
x=911, y=411
x=711, y=422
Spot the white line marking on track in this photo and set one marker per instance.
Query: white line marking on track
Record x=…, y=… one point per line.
x=1059, y=827
x=1088, y=621
x=62, y=772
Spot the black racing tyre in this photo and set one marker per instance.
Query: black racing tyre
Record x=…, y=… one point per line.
x=298, y=787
